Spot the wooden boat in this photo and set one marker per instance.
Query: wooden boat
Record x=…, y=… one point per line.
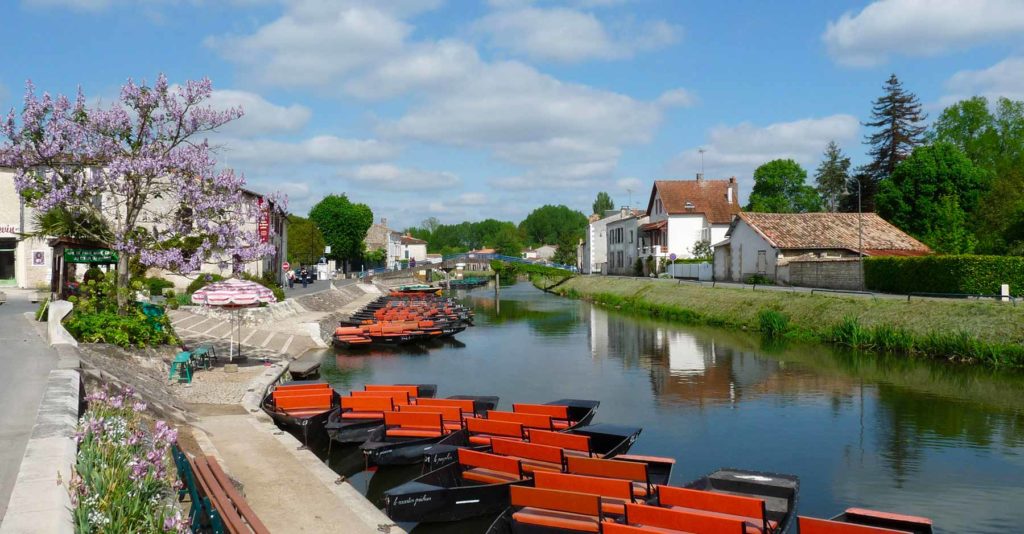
x=778, y=491
x=361, y=411
x=863, y=521
x=479, y=483
x=301, y=405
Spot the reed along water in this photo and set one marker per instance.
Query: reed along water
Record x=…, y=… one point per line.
x=883, y=432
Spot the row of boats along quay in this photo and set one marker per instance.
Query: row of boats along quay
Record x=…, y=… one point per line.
x=552, y=415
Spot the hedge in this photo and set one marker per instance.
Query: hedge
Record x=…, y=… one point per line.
x=945, y=274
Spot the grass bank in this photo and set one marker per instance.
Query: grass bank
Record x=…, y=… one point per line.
x=967, y=331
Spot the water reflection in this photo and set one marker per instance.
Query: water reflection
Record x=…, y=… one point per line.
x=860, y=430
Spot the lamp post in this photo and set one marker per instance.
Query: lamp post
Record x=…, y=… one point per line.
x=860, y=233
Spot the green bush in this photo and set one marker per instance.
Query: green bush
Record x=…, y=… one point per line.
x=773, y=323
x=155, y=285
x=268, y=281
x=638, y=267
x=945, y=274
x=759, y=280
x=203, y=281
x=131, y=330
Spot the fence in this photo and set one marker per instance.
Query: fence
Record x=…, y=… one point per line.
x=696, y=271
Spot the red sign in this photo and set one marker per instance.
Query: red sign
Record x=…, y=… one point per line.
x=286, y=266
x=264, y=224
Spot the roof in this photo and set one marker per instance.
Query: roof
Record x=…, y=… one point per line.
x=410, y=240
x=654, y=226
x=710, y=197
x=810, y=231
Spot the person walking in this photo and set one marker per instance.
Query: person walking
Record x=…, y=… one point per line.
x=291, y=279
x=304, y=274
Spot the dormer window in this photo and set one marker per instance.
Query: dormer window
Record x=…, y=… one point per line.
x=689, y=205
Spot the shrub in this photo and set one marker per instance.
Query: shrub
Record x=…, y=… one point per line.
x=124, y=478
x=849, y=332
x=945, y=274
x=134, y=329
x=268, y=281
x=759, y=280
x=203, y=281
x=155, y=285
x=638, y=267
x=773, y=323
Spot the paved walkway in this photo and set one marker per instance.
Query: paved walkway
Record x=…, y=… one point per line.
x=25, y=365
x=287, y=494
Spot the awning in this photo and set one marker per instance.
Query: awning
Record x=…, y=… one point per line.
x=650, y=227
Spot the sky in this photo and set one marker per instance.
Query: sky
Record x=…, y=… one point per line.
x=473, y=109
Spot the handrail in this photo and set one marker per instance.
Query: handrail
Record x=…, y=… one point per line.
x=1011, y=298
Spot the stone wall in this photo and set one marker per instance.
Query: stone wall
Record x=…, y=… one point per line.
x=842, y=273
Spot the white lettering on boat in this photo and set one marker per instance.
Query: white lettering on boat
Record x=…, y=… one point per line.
x=756, y=478
x=412, y=500
x=468, y=502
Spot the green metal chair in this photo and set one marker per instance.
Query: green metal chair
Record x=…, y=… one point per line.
x=181, y=367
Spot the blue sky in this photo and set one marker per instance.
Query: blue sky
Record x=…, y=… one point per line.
x=464, y=109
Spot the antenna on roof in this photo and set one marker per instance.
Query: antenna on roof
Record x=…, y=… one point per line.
x=630, y=193
x=702, y=151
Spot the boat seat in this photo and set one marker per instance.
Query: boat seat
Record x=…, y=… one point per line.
x=810, y=525
x=530, y=466
x=406, y=432
x=488, y=476
x=362, y=415
x=557, y=520
x=752, y=524
x=308, y=412
x=723, y=505
x=485, y=439
x=559, y=424
x=452, y=426
x=640, y=489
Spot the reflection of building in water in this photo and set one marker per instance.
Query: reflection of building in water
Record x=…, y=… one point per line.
x=684, y=367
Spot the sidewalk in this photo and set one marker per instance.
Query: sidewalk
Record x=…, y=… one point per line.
x=25, y=365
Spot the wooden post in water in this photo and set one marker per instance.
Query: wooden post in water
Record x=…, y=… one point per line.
x=497, y=283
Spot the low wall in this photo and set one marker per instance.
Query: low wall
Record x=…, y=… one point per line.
x=842, y=273
x=251, y=316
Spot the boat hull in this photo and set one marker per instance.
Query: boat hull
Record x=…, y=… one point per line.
x=437, y=497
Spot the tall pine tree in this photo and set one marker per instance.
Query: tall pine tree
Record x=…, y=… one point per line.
x=832, y=175
x=899, y=127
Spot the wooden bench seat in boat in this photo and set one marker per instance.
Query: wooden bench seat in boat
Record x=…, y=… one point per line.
x=563, y=510
x=284, y=389
x=466, y=405
x=489, y=468
x=307, y=405
x=452, y=416
x=366, y=407
x=533, y=456
x=413, y=425
x=811, y=525
x=572, y=444
x=614, y=493
x=664, y=520
x=559, y=414
x=528, y=420
x=748, y=509
x=635, y=472
x=482, y=430
x=400, y=397
x=411, y=389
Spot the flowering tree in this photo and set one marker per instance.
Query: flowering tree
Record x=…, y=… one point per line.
x=140, y=163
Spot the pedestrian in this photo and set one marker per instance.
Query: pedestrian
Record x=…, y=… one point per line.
x=291, y=279
x=304, y=275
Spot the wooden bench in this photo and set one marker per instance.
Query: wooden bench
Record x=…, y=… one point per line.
x=303, y=403
x=400, y=397
x=749, y=509
x=635, y=472
x=615, y=493
x=366, y=407
x=564, y=511
x=485, y=468
x=573, y=444
x=811, y=525
x=482, y=430
x=413, y=425
x=559, y=414
x=216, y=504
x=528, y=420
x=692, y=522
x=451, y=415
x=534, y=457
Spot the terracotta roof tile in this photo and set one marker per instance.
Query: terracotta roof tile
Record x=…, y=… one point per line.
x=710, y=197
x=410, y=240
x=833, y=231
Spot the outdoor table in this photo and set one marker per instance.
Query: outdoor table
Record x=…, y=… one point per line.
x=182, y=365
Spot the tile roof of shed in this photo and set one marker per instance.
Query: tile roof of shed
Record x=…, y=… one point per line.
x=833, y=231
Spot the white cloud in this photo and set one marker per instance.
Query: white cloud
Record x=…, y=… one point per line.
x=473, y=199
x=568, y=35
x=631, y=183
x=324, y=149
x=424, y=67
x=80, y=5
x=1005, y=78
x=261, y=116
x=391, y=177
x=738, y=150
x=919, y=28
x=677, y=98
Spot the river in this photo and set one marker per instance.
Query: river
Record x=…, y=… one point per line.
x=888, y=433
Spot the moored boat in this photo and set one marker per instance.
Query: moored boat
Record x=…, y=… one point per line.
x=301, y=405
x=863, y=521
x=359, y=412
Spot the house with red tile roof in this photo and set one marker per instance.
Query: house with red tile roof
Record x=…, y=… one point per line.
x=772, y=244
x=684, y=212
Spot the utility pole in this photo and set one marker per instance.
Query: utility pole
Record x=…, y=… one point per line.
x=702, y=151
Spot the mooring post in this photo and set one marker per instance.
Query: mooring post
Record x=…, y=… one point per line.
x=497, y=282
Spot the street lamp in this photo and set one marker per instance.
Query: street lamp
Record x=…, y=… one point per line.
x=860, y=231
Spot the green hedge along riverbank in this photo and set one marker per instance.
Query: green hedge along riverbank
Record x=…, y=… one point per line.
x=977, y=332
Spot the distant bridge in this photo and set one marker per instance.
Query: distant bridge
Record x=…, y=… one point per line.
x=473, y=261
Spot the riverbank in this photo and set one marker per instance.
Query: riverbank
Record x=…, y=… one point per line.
x=967, y=331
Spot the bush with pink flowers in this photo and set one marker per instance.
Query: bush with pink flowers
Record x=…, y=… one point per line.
x=124, y=478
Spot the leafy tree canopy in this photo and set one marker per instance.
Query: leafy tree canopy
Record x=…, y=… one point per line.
x=780, y=187
x=343, y=225
x=305, y=242
x=553, y=225
x=832, y=175
x=930, y=194
x=603, y=203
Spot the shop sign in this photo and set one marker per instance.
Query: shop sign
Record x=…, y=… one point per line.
x=82, y=255
x=8, y=229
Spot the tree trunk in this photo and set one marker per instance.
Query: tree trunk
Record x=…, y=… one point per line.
x=122, y=282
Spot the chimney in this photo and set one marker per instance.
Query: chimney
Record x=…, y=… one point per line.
x=623, y=211
x=729, y=192
x=700, y=177
x=384, y=221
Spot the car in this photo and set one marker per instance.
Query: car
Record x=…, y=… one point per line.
x=3, y=297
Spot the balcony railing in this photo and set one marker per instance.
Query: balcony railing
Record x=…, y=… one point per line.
x=657, y=251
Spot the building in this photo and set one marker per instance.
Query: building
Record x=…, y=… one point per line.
x=546, y=252
x=413, y=249
x=593, y=253
x=623, y=242
x=27, y=263
x=530, y=254
x=380, y=237
x=684, y=212
x=808, y=249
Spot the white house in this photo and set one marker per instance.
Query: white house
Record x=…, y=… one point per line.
x=593, y=254
x=623, y=242
x=684, y=212
x=808, y=249
x=546, y=252
x=413, y=249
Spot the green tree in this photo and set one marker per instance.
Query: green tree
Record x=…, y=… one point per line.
x=343, y=225
x=832, y=175
x=930, y=195
x=898, y=122
x=305, y=242
x=702, y=250
x=780, y=187
x=553, y=225
x=507, y=241
x=970, y=126
x=603, y=203
x=566, y=251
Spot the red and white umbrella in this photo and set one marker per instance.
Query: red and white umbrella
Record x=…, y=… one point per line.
x=233, y=292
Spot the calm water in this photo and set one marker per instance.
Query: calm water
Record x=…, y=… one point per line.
x=886, y=433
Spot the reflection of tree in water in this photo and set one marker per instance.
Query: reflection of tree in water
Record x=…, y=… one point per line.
x=546, y=318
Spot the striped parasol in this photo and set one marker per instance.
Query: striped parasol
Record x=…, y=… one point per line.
x=233, y=292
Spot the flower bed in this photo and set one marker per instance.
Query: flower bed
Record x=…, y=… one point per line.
x=124, y=478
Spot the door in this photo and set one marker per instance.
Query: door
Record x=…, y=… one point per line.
x=7, y=249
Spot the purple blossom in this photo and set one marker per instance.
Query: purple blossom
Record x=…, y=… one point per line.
x=139, y=406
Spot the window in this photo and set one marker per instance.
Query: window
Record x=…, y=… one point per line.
x=630, y=236
x=406, y=253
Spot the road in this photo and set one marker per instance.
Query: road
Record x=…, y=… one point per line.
x=319, y=285
x=25, y=363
